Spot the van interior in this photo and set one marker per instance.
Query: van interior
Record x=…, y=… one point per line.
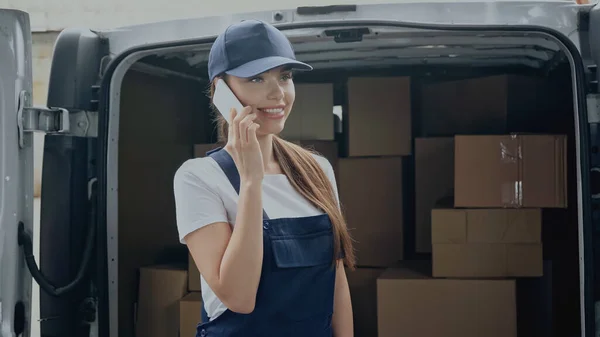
x=452, y=83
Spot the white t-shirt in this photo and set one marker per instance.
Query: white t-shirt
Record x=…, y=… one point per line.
x=204, y=195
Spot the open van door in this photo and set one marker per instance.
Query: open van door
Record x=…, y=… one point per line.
x=67, y=236
x=16, y=172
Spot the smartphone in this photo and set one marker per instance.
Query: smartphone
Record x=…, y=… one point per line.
x=224, y=99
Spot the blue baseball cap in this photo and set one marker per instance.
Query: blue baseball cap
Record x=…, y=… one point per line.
x=249, y=48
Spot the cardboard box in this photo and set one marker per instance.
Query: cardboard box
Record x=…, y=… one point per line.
x=434, y=179
x=378, y=117
x=411, y=303
x=363, y=291
x=312, y=114
x=511, y=171
x=485, y=105
x=487, y=242
x=371, y=197
x=193, y=275
x=190, y=314
x=160, y=289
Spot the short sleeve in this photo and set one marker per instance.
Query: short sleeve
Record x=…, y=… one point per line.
x=326, y=165
x=196, y=204
x=328, y=169
x=331, y=176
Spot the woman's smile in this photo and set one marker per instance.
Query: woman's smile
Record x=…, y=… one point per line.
x=274, y=112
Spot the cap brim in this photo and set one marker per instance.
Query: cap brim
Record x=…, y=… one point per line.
x=259, y=66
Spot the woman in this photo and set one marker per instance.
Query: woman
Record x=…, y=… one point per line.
x=261, y=216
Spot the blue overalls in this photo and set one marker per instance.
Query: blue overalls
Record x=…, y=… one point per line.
x=295, y=293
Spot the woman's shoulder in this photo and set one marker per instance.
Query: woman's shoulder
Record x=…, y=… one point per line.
x=328, y=169
x=325, y=166
x=324, y=162
x=197, y=169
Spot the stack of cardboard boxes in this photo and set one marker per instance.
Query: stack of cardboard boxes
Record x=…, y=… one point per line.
x=168, y=303
x=481, y=243
x=377, y=139
x=478, y=210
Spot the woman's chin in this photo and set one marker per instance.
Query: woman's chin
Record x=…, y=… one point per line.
x=270, y=128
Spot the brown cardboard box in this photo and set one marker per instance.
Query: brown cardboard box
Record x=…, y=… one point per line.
x=193, y=275
x=312, y=114
x=201, y=149
x=487, y=242
x=411, y=303
x=363, y=291
x=371, y=197
x=434, y=179
x=190, y=314
x=378, y=118
x=160, y=289
x=510, y=171
x=484, y=105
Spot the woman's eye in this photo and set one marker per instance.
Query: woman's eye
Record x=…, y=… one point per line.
x=286, y=77
x=256, y=80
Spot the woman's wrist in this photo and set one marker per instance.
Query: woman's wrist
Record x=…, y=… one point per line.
x=250, y=183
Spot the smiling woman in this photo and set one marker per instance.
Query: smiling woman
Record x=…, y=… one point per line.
x=270, y=94
x=261, y=215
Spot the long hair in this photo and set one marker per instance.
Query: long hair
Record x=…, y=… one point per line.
x=309, y=179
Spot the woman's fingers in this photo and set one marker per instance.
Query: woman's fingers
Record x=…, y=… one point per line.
x=236, y=122
x=244, y=126
x=252, y=133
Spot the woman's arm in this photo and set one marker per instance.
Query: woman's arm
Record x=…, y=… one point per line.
x=231, y=260
x=342, y=323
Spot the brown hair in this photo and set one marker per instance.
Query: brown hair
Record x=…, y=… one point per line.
x=309, y=179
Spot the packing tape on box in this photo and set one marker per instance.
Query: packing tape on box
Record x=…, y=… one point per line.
x=512, y=194
x=510, y=149
x=511, y=154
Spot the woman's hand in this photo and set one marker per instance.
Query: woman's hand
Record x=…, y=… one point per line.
x=243, y=145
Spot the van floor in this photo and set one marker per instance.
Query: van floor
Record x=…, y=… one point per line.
x=174, y=115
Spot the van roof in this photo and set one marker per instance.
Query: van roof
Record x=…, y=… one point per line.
x=554, y=14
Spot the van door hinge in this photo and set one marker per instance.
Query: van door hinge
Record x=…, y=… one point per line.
x=54, y=120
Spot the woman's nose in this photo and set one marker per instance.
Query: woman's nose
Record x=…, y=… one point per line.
x=276, y=92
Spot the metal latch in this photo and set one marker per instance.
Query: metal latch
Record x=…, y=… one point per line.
x=54, y=120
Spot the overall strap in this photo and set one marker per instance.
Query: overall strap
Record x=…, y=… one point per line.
x=227, y=164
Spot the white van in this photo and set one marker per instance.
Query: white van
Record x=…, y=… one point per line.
x=124, y=105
